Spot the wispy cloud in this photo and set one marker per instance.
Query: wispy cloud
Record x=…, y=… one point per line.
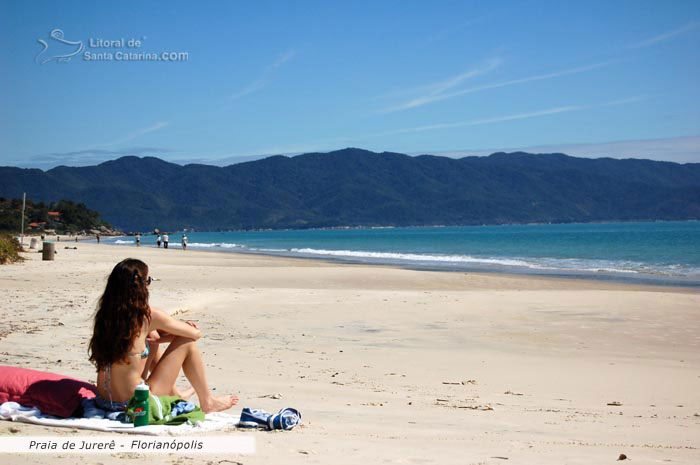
x=283, y=58
x=464, y=26
x=334, y=143
x=446, y=32
x=89, y=156
x=133, y=135
x=154, y=127
x=100, y=152
x=517, y=116
x=477, y=122
x=666, y=35
x=447, y=84
x=684, y=149
x=436, y=97
x=433, y=92
x=97, y=153
x=621, y=101
x=266, y=76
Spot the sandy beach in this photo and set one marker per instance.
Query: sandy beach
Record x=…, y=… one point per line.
x=390, y=365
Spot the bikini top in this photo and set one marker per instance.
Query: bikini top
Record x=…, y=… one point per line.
x=143, y=354
x=108, y=371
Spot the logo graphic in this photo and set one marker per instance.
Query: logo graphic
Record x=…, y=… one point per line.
x=61, y=50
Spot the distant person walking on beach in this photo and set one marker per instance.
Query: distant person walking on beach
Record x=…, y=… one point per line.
x=98, y=238
x=184, y=242
x=158, y=241
x=165, y=241
x=138, y=239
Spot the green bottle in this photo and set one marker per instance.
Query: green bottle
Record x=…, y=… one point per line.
x=141, y=404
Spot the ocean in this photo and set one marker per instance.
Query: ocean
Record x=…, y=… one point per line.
x=665, y=252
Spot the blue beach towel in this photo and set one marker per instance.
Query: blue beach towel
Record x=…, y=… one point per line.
x=285, y=419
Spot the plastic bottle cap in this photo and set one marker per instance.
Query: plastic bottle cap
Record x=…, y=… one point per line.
x=142, y=386
x=142, y=392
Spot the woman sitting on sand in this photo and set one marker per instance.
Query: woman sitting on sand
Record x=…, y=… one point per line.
x=124, y=345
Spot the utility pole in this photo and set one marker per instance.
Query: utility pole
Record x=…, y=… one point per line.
x=24, y=203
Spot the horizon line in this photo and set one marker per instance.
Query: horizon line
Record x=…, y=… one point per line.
x=449, y=153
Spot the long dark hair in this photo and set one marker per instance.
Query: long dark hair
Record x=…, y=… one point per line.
x=121, y=313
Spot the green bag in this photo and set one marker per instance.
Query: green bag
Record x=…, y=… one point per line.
x=160, y=409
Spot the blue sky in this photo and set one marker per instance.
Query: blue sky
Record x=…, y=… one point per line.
x=592, y=78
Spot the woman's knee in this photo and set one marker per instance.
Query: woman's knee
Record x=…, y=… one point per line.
x=188, y=342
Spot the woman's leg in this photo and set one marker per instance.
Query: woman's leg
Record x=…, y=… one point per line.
x=186, y=394
x=183, y=353
x=152, y=362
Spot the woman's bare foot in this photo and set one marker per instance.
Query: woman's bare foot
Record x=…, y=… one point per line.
x=218, y=404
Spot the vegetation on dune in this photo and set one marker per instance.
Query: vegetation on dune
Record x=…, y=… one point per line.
x=9, y=249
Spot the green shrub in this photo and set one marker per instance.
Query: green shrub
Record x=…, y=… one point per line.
x=9, y=249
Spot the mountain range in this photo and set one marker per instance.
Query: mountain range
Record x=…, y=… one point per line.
x=355, y=187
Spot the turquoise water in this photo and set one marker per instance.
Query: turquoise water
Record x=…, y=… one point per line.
x=661, y=251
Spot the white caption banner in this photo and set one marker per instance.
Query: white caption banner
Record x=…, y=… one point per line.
x=237, y=444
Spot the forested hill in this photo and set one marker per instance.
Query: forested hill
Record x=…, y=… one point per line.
x=354, y=187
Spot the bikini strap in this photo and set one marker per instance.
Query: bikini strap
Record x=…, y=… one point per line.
x=108, y=382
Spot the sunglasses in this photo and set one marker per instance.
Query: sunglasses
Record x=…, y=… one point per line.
x=149, y=281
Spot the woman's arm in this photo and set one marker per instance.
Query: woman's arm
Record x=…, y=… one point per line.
x=159, y=337
x=163, y=322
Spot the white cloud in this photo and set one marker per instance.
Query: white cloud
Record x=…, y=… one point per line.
x=498, y=119
x=266, y=75
x=666, y=35
x=444, y=96
x=85, y=157
x=441, y=86
x=685, y=149
x=152, y=128
x=435, y=91
x=477, y=122
x=249, y=89
x=621, y=101
x=461, y=26
x=140, y=132
x=282, y=59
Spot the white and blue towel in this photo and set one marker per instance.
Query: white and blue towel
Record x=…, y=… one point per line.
x=285, y=419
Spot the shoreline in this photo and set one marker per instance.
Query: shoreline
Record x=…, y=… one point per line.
x=643, y=280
